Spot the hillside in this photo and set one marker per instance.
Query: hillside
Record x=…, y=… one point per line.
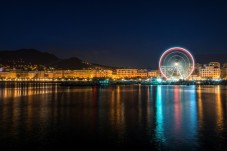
x=27, y=56
x=35, y=57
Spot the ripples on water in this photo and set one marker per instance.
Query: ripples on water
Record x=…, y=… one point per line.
x=47, y=116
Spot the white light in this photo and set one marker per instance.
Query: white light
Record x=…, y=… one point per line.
x=159, y=80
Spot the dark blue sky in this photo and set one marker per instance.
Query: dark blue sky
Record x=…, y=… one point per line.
x=119, y=33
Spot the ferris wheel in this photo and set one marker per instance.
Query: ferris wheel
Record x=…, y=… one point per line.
x=176, y=63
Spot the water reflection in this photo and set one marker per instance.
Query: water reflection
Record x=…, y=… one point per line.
x=219, y=108
x=176, y=117
x=117, y=115
x=159, y=116
x=177, y=109
x=212, y=117
x=18, y=90
x=211, y=96
x=154, y=117
x=200, y=107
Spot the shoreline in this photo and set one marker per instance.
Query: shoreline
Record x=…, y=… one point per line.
x=95, y=83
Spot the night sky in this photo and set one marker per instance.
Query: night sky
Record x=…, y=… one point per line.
x=117, y=33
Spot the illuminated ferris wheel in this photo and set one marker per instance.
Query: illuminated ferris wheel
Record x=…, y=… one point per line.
x=176, y=63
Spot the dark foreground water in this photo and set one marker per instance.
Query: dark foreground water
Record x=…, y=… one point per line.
x=50, y=117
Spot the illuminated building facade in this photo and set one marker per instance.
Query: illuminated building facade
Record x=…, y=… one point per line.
x=58, y=74
x=83, y=74
x=31, y=74
x=49, y=75
x=80, y=74
x=126, y=73
x=102, y=73
x=154, y=73
x=142, y=73
x=8, y=75
x=212, y=70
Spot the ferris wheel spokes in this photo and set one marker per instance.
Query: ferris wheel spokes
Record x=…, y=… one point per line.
x=176, y=63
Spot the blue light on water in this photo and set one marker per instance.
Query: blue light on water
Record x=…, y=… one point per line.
x=159, y=132
x=193, y=111
x=176, y=117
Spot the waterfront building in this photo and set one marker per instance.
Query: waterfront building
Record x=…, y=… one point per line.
x=68, y=74
x=58, y=74
x=153, y=73
x=48, y=75
x=102, y=73
x=195, y=77
x=142, y=73
x=8, y=75
x=80, y=74
x=83, y=74
x=31, y=74
x=21, y=74
x=40, y=75
x=126, y=73
x=212, y=70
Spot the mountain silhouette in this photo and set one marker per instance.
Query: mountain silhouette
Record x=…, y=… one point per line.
x=35, y=57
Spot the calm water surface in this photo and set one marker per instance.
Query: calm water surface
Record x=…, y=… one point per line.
x=48, y=116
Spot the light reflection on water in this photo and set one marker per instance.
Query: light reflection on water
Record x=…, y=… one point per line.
x=148, y=117
x=176, y=117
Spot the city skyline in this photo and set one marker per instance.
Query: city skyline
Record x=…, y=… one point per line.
x=108, y=32
x=113, y=75
x=175, y=64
